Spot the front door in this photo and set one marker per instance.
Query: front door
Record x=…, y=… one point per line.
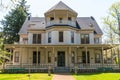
x=61, y=59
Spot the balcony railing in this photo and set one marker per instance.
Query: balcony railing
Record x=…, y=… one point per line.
x=62, y=22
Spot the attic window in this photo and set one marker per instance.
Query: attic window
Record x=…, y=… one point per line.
x=51, y=18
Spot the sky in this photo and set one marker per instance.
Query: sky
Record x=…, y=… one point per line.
x=84, y=8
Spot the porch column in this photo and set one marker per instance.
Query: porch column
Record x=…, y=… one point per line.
x=54, y=57
x=27, y=56
x=37, y=54
x=102, y=59
x=45, y=55
x=86, y=55
x=118, y=56
x=69, y=56
x=21, y=51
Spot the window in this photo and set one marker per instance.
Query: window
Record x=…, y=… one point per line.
x=85, y=57
x=84, y=38
x=72, y=37
x=96, y=40
x=49, y=37
x=16, y=58
x=49, y=56
x=51, y=18
x=36, y=57
x=36, y=38
x=97, y=57
x=69, y=19
x=60, y=36
x=60, y=20
x=73, y=57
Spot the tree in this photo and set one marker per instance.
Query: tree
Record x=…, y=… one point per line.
x=112, y=23
x=4, y=55
x=13, y=21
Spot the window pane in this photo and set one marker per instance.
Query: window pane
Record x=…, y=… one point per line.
x=34, y=38
x=84, y=39
x=16, y=57
x=60, y=36
x=97, y=57
x=39, y=39
x=49, y=56
x=49, y=37
x=72, y=37
x=73, y=57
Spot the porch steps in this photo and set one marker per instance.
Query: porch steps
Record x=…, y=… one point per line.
x=61, y=70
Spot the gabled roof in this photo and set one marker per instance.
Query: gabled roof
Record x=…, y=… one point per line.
x=61, y=6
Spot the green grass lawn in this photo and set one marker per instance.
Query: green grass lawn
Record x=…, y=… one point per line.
x=34, y=76
x=97, y=76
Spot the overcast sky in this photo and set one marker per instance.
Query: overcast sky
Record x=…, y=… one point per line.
x=84, y=8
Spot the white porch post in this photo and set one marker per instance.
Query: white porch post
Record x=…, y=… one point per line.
x=102, y=61
x=69, y=56
x=45, y=55
x=54, y=60
x=21, y=51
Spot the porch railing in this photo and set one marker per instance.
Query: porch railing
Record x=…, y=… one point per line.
x=29, y=66
x=95, y=66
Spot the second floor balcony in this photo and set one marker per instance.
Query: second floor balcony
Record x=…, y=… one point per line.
x=61, y=23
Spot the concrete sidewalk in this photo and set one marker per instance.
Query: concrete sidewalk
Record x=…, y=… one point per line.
x=63, y=76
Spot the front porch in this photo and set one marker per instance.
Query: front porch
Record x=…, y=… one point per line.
x=41, y=57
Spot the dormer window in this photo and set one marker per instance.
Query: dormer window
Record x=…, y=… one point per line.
x=69, y=19
x=51, y=18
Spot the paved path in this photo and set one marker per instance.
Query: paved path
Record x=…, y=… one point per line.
x=63, y=76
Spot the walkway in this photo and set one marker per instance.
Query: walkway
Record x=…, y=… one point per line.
x=63, y=76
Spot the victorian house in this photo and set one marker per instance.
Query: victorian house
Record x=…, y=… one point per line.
x=61, y=39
